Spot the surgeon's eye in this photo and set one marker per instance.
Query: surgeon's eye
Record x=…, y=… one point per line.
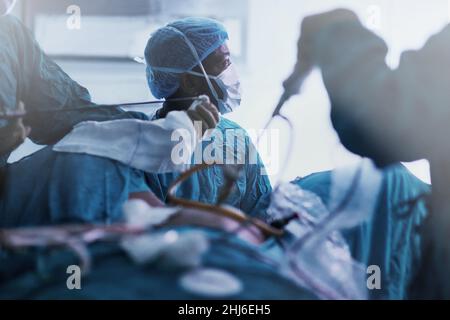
x=226, y=63
x=222, y=66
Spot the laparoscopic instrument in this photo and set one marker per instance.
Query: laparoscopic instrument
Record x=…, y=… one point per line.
x=91, y=107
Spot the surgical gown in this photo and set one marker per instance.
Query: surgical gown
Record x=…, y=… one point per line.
x=49, y=188
x=56, y=188
x=251, y=191
x=390, y=239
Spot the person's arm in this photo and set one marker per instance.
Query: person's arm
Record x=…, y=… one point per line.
x=31, y=76
x=12, y=134
x=391, y=115
x=48, y=128
x=159, y=146
x=387, y=115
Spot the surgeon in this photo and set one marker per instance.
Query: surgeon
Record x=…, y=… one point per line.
x=190, y=57
x=48, y=187
x=387, y=240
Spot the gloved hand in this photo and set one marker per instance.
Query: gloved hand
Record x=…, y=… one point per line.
x=13, y=134
x=204, y=115
x=311, y=30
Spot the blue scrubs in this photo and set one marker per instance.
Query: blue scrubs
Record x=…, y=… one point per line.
x=55, y=188
x=389, y=239
x=251, y=191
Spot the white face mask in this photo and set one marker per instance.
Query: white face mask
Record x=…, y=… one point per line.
x=228, y=82
x=6, y=6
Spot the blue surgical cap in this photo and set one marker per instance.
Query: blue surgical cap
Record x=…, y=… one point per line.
x=167, y=49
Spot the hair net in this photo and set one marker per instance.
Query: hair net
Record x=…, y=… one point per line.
x=168, y=54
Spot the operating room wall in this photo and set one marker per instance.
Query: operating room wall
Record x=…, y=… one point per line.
x=273, y=29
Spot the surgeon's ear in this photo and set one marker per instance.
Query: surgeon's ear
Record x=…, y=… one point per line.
x=191, y=85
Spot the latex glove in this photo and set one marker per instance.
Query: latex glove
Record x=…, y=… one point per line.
x=204, y=115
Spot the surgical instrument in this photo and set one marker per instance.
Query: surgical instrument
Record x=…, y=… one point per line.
x=91, y=107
